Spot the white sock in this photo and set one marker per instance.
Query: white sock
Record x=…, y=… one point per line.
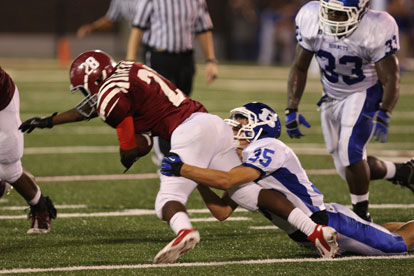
x=180, y=221
x=36, y=198
x=391, y=169
x=359, y=198
x=301, y=221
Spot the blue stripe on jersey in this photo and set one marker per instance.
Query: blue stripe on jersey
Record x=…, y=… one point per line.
x=362, y=129
x=366, y=234
x=292, y=183
x=262, y=173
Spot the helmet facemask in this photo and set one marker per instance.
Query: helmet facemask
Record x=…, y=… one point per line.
x=351, y=16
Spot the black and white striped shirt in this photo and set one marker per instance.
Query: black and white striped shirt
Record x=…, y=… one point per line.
x=172, y=24
x=122, y=9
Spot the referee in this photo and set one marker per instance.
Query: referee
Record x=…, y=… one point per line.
x=167, y=29
x=118, y=9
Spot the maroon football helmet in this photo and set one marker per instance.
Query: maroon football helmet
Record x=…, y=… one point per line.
x=87, y=73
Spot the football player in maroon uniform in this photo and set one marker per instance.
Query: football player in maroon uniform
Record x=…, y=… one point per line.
x=12, y=174
x=133, y=98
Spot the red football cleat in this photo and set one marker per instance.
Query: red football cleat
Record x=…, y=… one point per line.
x=324, y=239
x=186, y=240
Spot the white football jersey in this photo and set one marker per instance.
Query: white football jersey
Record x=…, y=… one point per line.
x=281, y=170
x=347, y=64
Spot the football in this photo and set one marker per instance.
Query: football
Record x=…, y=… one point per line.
x=144, y=143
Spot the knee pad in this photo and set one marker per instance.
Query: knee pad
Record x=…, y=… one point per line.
x=11, y=172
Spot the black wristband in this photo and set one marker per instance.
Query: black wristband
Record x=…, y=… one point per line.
x=211, y=60
x=385, y=111
x=290, y=110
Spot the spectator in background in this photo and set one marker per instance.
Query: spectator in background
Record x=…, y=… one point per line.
x=118, y=9
x=243, y=30
x=403, y=12
x=285, y=28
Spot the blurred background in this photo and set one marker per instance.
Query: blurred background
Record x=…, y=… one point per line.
x=247, y=31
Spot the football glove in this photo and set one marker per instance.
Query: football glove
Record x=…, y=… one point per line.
x=292, y=122
x=171, y=165
x=381, y=120
x=37, y=122
x=128, y=157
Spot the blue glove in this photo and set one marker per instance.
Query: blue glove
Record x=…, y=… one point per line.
x=171, y=165
x=292, y=122
x=381, y=120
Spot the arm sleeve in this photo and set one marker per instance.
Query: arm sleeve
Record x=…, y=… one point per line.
x=265, y=156
x=203, y=22
x=386, y=40
x=143, y=15
x=126, y=134
x=114, y=10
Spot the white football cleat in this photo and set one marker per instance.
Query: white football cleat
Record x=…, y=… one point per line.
x=186, y=240
x=4, y=188
x=324, y=239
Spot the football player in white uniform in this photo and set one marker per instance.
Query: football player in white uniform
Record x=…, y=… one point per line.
x=355, y=49
x=274, y=166
x=12, y=173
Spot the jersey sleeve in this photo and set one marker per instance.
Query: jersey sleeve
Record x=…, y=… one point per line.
x=113, y=106
x=203, y=22
x=307, y=25
x=385, y=40
x=143, y=14
x=114, y=10
x=264, y=155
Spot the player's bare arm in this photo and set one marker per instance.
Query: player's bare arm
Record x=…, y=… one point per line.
x=71, y=115
x=220, y=179
x=221, y=208
x=389, y=75
x=298, y=76
x=133, y=43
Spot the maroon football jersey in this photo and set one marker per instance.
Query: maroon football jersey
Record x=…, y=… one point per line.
x=155, y=104
x=6, y=89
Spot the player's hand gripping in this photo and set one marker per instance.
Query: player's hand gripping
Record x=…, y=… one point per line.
x=171, y=165
x=128, y=157
x=37, y=122
x=381, y=120
x=292, y=122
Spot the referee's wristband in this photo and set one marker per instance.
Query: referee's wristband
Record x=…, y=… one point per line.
x=211, y=60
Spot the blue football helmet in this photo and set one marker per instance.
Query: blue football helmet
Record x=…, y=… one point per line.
x=351, y=10
x=262, y=122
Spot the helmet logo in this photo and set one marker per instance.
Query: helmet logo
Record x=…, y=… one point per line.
x=266, y=115
x=90, y=64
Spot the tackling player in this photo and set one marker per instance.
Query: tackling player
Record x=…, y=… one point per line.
x=273, y=165
x=133, y=98
x=12, y=174
x=355, y=48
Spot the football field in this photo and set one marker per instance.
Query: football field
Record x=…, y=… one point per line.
x=106, y=224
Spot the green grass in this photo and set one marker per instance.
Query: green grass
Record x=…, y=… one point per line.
x=134, y=240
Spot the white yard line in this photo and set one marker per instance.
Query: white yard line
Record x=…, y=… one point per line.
x=65, y=178
x=17, y=208
x=200, y=264
x=142, y=212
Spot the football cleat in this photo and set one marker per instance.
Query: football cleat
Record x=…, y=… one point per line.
x=4, y=188
x=404, y=175
x=361, y=209
x=324, y=239
x=41, y=215
x=186, y=240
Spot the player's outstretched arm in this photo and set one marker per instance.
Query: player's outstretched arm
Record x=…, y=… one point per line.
x=71, y=115
x=295, y=88
x=221, y=208
x=172, y=165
